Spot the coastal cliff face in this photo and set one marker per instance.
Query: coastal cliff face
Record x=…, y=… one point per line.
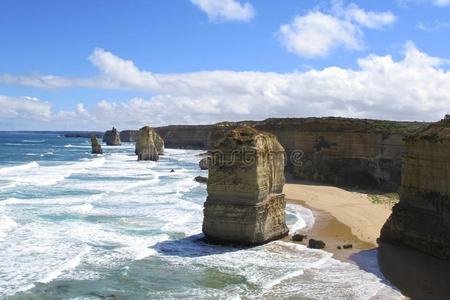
x=149, y=145
x=245, y=204
x=421, y=220
x=340, y=151
x=128, y=136
x=112, y=137
x=96, y=147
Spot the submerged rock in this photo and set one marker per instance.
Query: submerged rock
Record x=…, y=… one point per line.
x=316, y=244
x=112, y=137
x=96, y=147
x=421, y=219
x=299, y=237
x=149, y=145
x=204, y=163
x=201, y=179
x=245, y=204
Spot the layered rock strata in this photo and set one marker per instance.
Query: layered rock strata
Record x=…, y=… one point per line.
x=340, y=151
x=96, y=147
x=128, y=136
x=149, y=145
x=112, y=137
x=245, y=204
x=421, y=219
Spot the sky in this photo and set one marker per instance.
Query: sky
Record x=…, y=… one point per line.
x=93, y=64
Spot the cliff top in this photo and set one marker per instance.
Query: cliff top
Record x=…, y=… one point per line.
x=245, y=136
x=436, y=132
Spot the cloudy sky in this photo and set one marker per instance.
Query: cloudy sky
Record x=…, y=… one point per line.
x=91, y=64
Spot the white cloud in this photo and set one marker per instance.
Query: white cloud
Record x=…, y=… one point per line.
x=226, y=10
x=316, y=33
x=413, y=88
x=24, y=108
x=441, y=2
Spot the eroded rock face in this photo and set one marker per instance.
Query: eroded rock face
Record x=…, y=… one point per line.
x=96, y=147
x=149, y=145
x=421, y=219
x=245, y=204
x=128, y=135
x=339, y=151
x=112, y=137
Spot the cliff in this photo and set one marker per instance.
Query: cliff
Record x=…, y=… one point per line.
x=421, y=219
x=340, y=151
x=96, y=147
x=128, y=136
x=149, y=145
x=112, y=137
x=245, y=204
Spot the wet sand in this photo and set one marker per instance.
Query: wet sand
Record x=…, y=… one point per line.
x=414, y=274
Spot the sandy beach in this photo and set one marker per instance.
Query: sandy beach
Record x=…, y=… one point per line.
x=354, y=209
x=344, y=216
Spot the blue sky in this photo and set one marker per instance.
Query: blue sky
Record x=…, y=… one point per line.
x=269, y=54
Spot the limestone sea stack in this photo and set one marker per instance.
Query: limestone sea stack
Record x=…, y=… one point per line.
x=421, y=219
x=96, y=147
x=149, y=145
x=112, y=137
x=245, y=204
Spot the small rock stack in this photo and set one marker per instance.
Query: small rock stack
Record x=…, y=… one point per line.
x=421, y=219
x=149, y=145
x=245, y=204
x=96, y=147
x=112, y=137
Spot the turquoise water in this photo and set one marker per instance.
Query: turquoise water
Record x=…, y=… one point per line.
x=79, y=226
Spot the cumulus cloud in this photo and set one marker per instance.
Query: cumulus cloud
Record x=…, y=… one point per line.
x=416, y=87
x=316, y=33
x=226, y=10
x=24, y=108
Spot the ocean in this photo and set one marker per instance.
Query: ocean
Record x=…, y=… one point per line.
x=79, y=226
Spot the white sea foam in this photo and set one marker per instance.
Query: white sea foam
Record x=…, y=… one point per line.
x=70, y=264
x=82, y=209
x=6, y=224
x=8, y=170
x=304, y=217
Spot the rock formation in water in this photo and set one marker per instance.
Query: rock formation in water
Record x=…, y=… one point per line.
x=245, y=204
x=112, y=137
x=149, y=145
x=339, y=151
x=96, y=147
x=421, y=219
x=128, y=136
x=204, y=163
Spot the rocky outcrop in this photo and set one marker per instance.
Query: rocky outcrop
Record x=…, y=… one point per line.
x=112, y=137
x=128, y=136
x=421, y=219
x=340, y=151
x=149, y=145
x=204, y=163
x=245, y=204
x=96, y=147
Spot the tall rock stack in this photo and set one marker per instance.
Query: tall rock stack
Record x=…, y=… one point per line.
x=96, y=147
x=149, y=145
x=245, y=204
x=421, y=219
x=112, y=137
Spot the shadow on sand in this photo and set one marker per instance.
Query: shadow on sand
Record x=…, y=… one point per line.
x=416, y=275
x=193, y=246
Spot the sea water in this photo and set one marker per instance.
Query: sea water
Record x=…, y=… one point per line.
x=79, y=226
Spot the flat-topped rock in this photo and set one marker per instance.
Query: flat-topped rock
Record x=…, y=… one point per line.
x=112, y=137
x=245, y=204
x=421, y=219
x=149, y=145
x=96, y=147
